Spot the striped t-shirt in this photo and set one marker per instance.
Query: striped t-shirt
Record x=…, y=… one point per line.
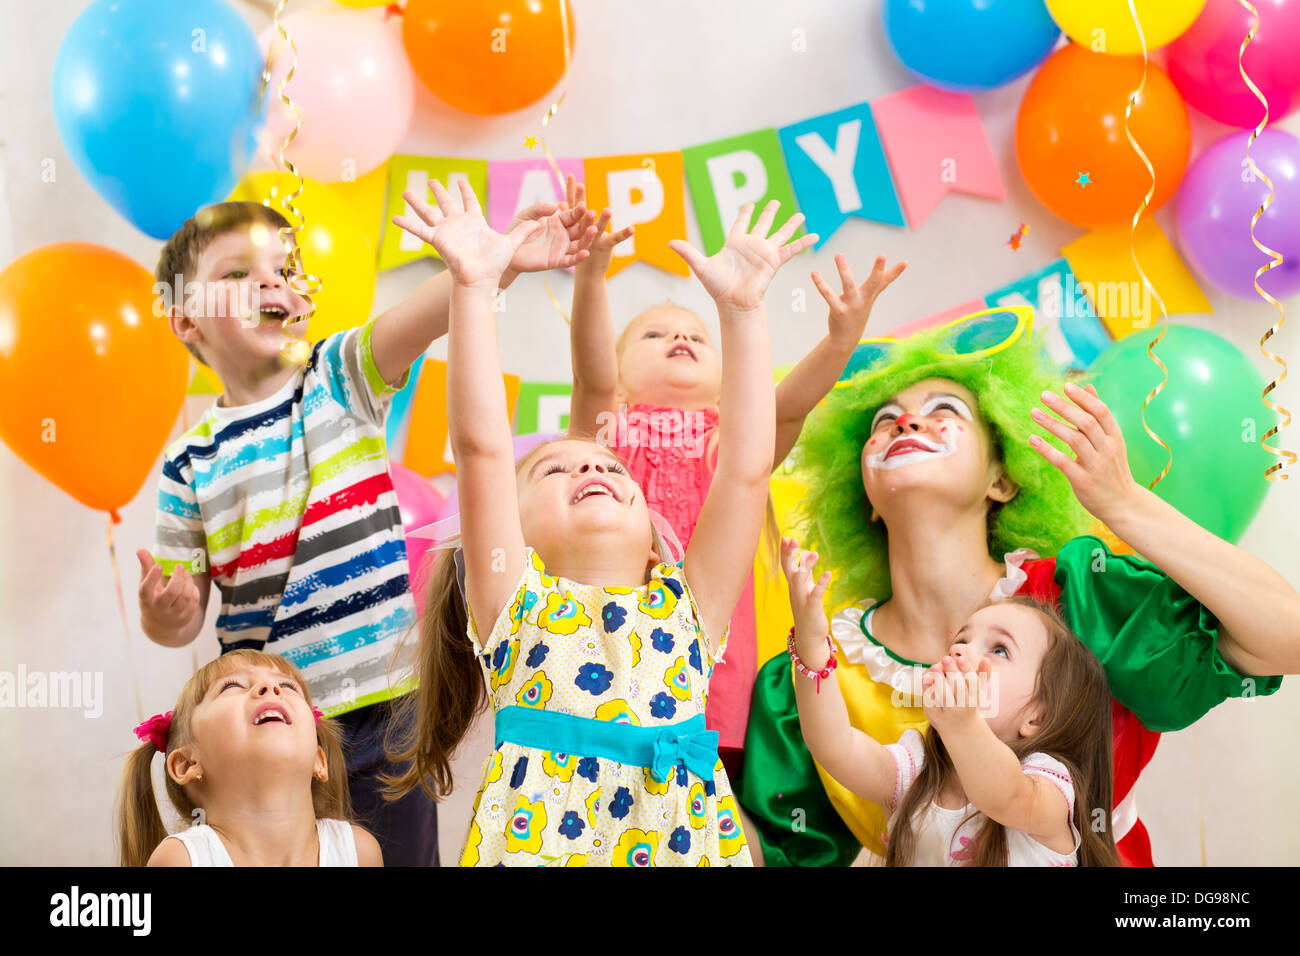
x=288, y=504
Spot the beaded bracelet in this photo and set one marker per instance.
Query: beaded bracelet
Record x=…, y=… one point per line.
x=817, y=676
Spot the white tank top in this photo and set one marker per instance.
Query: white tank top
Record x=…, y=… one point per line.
x=337, y=846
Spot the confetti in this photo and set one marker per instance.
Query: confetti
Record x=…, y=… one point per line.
x=1083, y=180
x=1014, y=241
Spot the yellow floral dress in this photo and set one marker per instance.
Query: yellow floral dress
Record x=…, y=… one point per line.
x=630, y=656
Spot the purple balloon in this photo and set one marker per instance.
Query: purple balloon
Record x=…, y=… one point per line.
x=1217, y=200
x=526, y=443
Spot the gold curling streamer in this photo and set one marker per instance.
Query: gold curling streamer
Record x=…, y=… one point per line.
x=1274, y=472
x=1146, y=200
x=550, y=112
x=304, y=283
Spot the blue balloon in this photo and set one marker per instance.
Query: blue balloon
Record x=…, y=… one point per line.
x=969, y=45
x=156, y=101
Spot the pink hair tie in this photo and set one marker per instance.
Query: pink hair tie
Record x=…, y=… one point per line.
x=318, y=714
x=154, y=731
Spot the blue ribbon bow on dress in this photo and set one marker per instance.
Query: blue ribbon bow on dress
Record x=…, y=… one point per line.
x=698, y=751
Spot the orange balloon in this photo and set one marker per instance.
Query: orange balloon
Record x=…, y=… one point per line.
x=1071, y=122
x=91, y=380
x=490, y=56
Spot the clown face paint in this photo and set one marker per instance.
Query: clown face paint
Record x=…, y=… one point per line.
x=908, y=449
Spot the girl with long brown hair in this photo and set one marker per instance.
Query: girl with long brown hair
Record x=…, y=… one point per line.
x=1015, y=767
x=595, y=646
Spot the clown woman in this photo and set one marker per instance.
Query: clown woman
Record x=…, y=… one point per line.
x=931, y=491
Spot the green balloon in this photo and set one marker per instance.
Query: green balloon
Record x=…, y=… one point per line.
x=1211, y=414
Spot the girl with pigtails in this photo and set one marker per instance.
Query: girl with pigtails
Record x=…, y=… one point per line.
x=928, y=497
x=253, y=770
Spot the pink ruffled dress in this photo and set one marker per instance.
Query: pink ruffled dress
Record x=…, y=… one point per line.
x=671, y=454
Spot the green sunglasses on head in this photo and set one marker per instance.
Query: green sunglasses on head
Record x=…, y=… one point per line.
x=972, y=336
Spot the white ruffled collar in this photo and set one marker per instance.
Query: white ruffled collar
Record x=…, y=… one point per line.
x=851, y=629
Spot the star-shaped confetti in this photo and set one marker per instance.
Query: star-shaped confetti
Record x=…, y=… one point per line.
x=1083, y=180
x=530, y=141
x=1014, y=241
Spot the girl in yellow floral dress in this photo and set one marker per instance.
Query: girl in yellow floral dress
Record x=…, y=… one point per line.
x=599, y=651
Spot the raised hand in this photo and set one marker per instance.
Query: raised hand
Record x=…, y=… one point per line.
x=852, y=307
x=805, y=591
x=604, y=241
x=564, y=240
x=166, y=606
x=472, y=252
x=1099, y=472
x=953, y=692
x=738, y=275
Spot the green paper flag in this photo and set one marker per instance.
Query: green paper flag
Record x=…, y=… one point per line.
x=542, y=407
x=727, y=173
x=398, y=246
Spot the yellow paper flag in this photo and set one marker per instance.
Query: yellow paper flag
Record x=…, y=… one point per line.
x=1103, y=263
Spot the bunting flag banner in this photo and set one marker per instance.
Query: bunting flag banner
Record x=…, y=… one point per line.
x=727, y=173
x=838, y=168
x=516, y=184
x=1103, y=263
x=1063, y=315
x=414, y=172
x=399, y=411
x=543, y=407
x=643, y=190
x=428, y=445
x=366, y=198
x=935, y=144
x=204, y=381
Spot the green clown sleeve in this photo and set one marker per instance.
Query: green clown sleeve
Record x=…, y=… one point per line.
x=1158, y=644
x=779, y=786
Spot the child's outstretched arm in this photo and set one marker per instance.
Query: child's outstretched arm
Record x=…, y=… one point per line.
x=801, y=390
x=853, y=758
x=989, y=771
x=479, y=424
x=591, y=329
x=721, y=553
x=402, y=333
x=1257, y=610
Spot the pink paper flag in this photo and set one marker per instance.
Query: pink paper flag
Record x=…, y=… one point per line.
x=935, y=143
x=514, y=184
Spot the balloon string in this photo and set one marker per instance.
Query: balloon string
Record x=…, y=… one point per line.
x=301, y=281
x=550, y=158
x=1274, y=472
x=126, y=630
x=1146, y=282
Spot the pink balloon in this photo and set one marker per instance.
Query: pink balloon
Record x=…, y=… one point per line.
x=353, y=86
x=1203, y=61
x=420, y=504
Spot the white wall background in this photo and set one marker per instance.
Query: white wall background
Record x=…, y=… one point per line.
x=645, y=77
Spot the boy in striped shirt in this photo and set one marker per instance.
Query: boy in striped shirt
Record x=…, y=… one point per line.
x=281, y=494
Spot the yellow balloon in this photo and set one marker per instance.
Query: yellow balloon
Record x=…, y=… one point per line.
x=1106, y=26
x=335, y=247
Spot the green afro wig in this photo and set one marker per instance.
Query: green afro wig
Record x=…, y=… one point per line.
x=1007, y=385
